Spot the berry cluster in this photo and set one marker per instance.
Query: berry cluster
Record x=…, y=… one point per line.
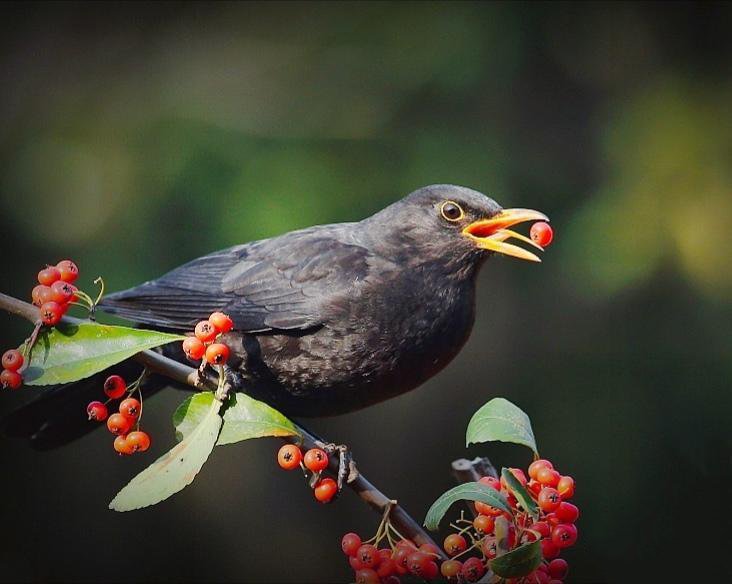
x=554, y=527
x=12, y=363
x=55, y=291
x=384, y=565
x=53, y=296
x=202, y=343
x=125, y=424
x=314, y=460
x=541, y=233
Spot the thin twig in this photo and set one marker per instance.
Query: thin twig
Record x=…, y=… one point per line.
x=182, y=373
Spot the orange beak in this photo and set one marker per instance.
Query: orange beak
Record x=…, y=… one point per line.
x=491, y=234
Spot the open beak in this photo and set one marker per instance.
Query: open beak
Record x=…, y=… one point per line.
x=491, y=234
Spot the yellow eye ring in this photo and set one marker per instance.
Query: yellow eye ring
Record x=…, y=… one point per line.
x=451, y=211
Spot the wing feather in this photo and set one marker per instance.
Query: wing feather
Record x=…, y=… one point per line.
x=282, y=284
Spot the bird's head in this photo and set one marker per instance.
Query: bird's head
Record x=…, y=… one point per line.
x=456, y=224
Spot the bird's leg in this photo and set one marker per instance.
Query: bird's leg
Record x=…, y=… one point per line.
x=228, y=381
x=347, y=471
x=201, y=380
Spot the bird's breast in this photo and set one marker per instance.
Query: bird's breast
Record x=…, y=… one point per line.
x=379, y=343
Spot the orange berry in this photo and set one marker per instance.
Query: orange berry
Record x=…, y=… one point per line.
x=221, y=321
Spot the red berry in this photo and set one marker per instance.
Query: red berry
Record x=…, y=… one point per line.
x=10, y=379
x=549, y=499
x=367, y=576
x=450, y=569
x=12, y=359
x=355, y=563
x=289, y=457
x=351, y=541
x=68, y=271
x=97, y=411
x=368, y=555
x=542, y=233
x=119, y=424
x=538, y=577
x=537, y=465
x=48, y=275
x=558, y=569
x=62, y=292
x=534, y=487
x=194, y=348
x=567, y=513
x=217, y=354
x=548, y=549
x=455, y=544
x=488, y=547
x=485, y=509
x=417, y=563
x=548, y=477
x=484, y=524
x=542, y=527
x=430, y=570
x=130, y=408
x=316, y=459
x=325, y=490
x=564, y=535
x=206, y=331
x=122, y=445
x=51, y=313
x=565, y=486
x=41, y=294
x=431, y=550
x=492, y=482
x=473, y=570
x=138, y=440
x=115, y=386
x=221, y=321
x=401, y=555
x=387, y=567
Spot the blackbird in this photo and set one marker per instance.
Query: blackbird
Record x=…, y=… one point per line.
x=328, y=319
x=333, y=318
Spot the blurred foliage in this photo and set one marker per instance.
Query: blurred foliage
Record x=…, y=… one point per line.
x=135, y=137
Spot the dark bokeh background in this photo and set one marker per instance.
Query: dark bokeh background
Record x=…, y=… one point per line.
x=136, y=137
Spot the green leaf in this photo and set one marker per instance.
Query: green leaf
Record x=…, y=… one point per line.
x=176, y=469
x=191, y=413
x=244, y=418
x=502, y=532
x=69, y=352
x=519, y=562
x=521, y=494
x=500, y=420
x=464, y=492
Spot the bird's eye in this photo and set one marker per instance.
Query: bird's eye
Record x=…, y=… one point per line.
x=452, y=211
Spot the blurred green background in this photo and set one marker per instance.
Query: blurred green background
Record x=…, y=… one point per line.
x=135, y=137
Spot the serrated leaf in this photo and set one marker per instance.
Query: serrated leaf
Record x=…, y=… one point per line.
x=174, y=470
x=464, y=492
x=519, y=562
x=521, y=494
x=69, y=352
x=500, y=420
x=244, y=418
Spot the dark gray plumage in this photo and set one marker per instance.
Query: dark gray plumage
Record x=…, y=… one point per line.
x=335, y=317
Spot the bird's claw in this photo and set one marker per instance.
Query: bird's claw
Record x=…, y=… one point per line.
x=347, y=471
